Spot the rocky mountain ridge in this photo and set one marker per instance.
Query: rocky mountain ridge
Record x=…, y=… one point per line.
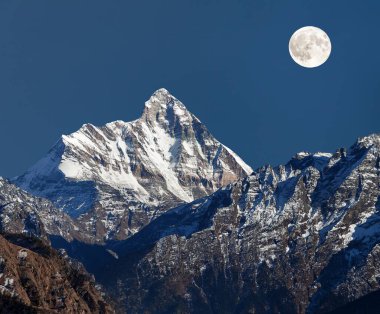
x=34, y=278
x=22, y=213
x=299, y=238
x=114, y=179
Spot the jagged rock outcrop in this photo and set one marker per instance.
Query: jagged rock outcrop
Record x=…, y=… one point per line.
x=114, y=179
x=34, y=278
x=298, y=238
x=23, y=213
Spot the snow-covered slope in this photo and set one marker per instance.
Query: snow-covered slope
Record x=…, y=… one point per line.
x=299, y=238
x=114, y=179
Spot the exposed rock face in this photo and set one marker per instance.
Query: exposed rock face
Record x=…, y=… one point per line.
x=23, y=213
x=299, y=238
x=34, y=278
x=114, y=179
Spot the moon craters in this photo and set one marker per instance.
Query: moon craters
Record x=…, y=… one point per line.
x=310, y=46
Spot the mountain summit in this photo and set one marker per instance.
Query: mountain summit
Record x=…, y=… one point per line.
x=115, y=178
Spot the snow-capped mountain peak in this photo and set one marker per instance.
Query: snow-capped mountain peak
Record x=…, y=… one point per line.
x=162, y=107
x=368, y=141
x=164, y=158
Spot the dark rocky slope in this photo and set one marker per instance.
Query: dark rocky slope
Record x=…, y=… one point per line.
x=299, y=238
x=369, y=304
x=34, y=278
x=21, y=212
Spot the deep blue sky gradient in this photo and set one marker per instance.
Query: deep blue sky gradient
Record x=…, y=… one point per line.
x=65, y=63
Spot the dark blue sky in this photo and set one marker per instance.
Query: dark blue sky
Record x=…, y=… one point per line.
x=65, y=63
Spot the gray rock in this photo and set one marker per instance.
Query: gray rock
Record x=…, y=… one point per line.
x=22, y=213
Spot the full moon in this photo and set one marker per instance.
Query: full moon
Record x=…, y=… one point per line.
x=310, y=46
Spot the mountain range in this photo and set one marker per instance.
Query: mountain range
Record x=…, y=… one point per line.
x=170, y=220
